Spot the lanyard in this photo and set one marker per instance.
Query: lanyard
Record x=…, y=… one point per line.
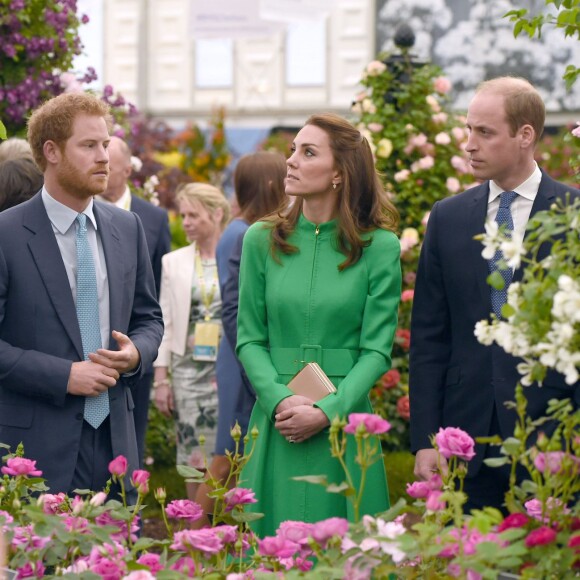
x=206, y=297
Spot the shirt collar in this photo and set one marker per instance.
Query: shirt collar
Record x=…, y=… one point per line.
x=124, y=202
x=528, y=189
x=61, y=216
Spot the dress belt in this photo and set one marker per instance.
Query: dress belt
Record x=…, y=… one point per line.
x=335, y=362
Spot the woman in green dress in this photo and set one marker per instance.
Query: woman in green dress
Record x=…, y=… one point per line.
x=320, y=283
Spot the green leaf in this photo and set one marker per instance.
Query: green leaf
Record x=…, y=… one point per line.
x=242, y=517
x=495, y=280
x=319, y=479
x=2, y=131
x=188, y=471
x=511, y=445
x=496, y=461
x=342, y=488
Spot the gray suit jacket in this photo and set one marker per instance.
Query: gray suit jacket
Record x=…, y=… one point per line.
x=40, y=336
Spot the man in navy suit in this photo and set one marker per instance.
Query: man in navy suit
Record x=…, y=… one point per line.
x=156, y=225
x=454, y=380
x=46, y=378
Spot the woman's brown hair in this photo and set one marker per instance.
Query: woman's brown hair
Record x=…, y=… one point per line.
x=259, y=184
x=363, y=204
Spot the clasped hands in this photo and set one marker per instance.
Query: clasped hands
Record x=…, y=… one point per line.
x=91, y=377
x=297, y=419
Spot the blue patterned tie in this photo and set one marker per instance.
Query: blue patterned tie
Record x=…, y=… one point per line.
x=504, y=217
x=96, y=408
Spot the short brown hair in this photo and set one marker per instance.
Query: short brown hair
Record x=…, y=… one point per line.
x=259, y=184
x=20, y=179
x=14, y=148
x=209, y=196
x=53, y=121
x=522, y=103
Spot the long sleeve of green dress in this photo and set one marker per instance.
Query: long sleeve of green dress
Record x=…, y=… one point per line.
x=299, y=308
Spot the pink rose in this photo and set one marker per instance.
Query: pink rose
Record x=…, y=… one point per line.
x=391, y=379
x=534, y=508
x=139, y=575
x=277, y=546
x=426, y=162
x=576, y=131
x=141, y=481
x=452, y=441
x=106, y=519
x=453, y=184
x=418, y=489
x=118, y=466
x=442, y=138
x=238, y=496
x=297, y=532
x=30, y=570
x=550, y=461
x=52, y=504
x=205, y=540
x=98, y=499
x=184, y=565
x=372, y=423
x=227, y=534
x=324, y=530
x=375, y=127
x=404, y=407
x=20, y=466
x=407, y=295
x=184, y=509
x=516, y=520
x=108, y=568
x=540, y=537
x=434, y=503
x=442, y=85
x=152, y=561
x=439, y=118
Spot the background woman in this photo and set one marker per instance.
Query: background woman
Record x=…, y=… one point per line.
x=259, y=188
x=185, y=382
x=320, y=282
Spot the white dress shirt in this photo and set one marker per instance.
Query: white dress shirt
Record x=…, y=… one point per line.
x=521, y=207
x=64, y=226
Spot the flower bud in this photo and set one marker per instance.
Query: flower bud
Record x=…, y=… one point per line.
x=236, y=432
x=160, y=494
x=98, y=499
x=255, y=433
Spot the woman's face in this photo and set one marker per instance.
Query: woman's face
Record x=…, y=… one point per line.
x=311, y=169
x=198, y=223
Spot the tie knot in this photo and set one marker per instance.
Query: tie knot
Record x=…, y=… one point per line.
x=82, y=219
x=506, y=198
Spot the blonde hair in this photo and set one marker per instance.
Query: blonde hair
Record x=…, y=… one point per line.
x=53, y=121
x=14, y=148
x=209, y=196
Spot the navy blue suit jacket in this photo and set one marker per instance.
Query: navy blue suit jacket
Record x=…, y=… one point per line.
x=40, y=336
x=454, y=380
x=156, y=225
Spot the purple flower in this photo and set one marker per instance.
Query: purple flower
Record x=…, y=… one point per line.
x=184, y=509
x=324, y=530
x=238, y=496
x=550, y=462
x=152, y=561
x=205, y=540
x=278, y=547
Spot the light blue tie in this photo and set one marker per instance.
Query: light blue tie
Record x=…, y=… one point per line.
x=504, y=217
x=96, y=408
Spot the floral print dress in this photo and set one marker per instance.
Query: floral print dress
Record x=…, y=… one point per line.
x=194, y=382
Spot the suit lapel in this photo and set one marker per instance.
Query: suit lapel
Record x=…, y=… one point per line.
x=544, y=199
x=476, y=225
x=114, y=258
x=47, y=257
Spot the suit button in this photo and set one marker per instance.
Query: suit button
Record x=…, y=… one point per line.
x=79, y=416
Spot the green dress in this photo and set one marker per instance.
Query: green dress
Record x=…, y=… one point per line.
x=302, y=308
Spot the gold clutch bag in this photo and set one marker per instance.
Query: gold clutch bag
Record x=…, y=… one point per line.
x=311, y=382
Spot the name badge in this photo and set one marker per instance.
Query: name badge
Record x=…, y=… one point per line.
x=207, y=339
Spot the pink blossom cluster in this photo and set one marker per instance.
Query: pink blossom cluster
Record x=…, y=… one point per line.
x=367, y=423
x=430, y=491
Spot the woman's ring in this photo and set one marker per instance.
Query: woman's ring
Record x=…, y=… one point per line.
x=290, y=439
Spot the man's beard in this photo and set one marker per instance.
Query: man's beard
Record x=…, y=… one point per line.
x=76, y=183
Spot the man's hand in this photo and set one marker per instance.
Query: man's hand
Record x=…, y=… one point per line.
x=428, y=462
x=301, y=422
x=89, y=379
x=123, y=360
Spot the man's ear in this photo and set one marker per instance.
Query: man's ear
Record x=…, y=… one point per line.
x=52, y=152
x=527, y=135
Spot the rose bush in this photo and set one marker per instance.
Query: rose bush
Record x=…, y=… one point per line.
x=404, y=112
